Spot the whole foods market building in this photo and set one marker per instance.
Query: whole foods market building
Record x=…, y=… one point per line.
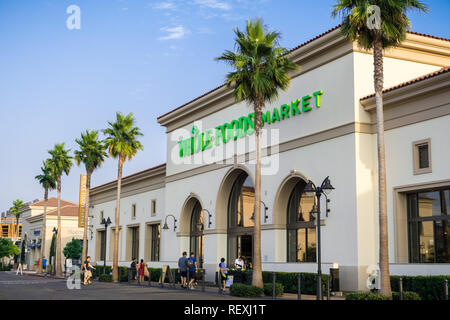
x=324, y=125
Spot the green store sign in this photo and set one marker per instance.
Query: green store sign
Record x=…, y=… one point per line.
x=243, y=126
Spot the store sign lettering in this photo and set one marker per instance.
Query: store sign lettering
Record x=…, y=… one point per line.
x=243, y=126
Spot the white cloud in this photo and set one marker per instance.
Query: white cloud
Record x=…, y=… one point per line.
x=164, y=6
x=177, y=32
x=214, y=4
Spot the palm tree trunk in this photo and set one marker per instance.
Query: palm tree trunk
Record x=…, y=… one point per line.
x=86, y=216
x=117, y=225
x=257, y=268
x=58, y=238
x=44, y=226
x=383, y=225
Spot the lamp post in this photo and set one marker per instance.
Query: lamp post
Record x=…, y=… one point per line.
x=106, y=223
x=166, y=227
x=313, y=191
x=55, y=231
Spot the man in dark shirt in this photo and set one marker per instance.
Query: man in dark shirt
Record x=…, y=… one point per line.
x=133, y=269
x=183, y=269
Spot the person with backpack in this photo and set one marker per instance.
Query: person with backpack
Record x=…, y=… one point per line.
x=223, y=270
x=193, y=266
x=182, y=269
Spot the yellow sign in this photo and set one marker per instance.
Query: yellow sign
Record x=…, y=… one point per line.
x=82, y=209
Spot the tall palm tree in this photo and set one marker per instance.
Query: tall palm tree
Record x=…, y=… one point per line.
x=121, y=141
x=92, y=153
x=60, y=163
x=47, y=181
x=260, y=69
x=16, y=211
x=356, y=26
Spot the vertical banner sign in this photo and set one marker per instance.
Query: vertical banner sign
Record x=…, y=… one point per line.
x=82, y=209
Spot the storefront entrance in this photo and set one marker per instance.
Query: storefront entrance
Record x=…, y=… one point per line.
x=240, y=220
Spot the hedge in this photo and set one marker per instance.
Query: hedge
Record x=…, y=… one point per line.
x=155, y=273
x=245, y=290
x=427, y=287
x=5, y=268
x=365, y=296
x=105, y=278
x=268, y=289
x=289, y=280
x=407, y=295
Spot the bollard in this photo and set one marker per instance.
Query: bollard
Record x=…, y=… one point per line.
x=219, y=282
x=274, y=292
x=328, y=287
x=401, y=288
x=299, y=287
x=149, y=278
x=446, y=289
x=203, y=279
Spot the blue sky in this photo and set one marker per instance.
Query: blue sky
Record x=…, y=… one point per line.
x=146, y=57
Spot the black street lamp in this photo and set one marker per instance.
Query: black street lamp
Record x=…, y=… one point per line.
x=312, y=191
x=209, y=217
x=166, y=227
x=265, y=212
x=55, y=231
x=106, y=223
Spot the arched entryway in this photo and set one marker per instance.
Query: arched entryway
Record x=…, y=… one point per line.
x=292, y=209
x=240, y=223
x=197, y=238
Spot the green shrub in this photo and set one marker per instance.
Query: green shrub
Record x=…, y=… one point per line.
x=407, y=295
x=268, y=289
x=105, y=278
x=427, y=287
x=289, y=280
x=365, y=296
x=245, y=290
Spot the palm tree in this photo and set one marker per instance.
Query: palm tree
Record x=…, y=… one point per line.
x=260, y=69
x=121, y=141
x=60, y=163
x=47, y=181
x=356, y=26
x=16, y=211
x=92, y=154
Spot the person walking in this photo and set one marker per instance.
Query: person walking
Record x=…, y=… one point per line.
x=44, y=264
x=182, y=269
x=193, y=267
x=88, y=267
x=142, y=266
x=223, y=270
x=133, y=269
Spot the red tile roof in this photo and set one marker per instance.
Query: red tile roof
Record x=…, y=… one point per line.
x=291, y=50
x=52, y=202
x=407, y=83
x=66, y=211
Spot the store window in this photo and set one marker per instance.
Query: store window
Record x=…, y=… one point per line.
x=428, y=226
x=301, y=230
x=102, y=237
x=156, y=240
x=240, y=219
x=196, y=232
x=153, y=208
x=422, y=156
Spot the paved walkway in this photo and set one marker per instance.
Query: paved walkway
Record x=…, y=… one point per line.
x=34, y=286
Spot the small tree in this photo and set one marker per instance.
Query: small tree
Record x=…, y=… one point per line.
x=16, y=210
x=73, y=249
x=7, y=249
x=52, y=250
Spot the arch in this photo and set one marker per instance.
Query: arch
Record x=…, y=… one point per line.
x=221, y=212
x=280, y=206
x=186, y=213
